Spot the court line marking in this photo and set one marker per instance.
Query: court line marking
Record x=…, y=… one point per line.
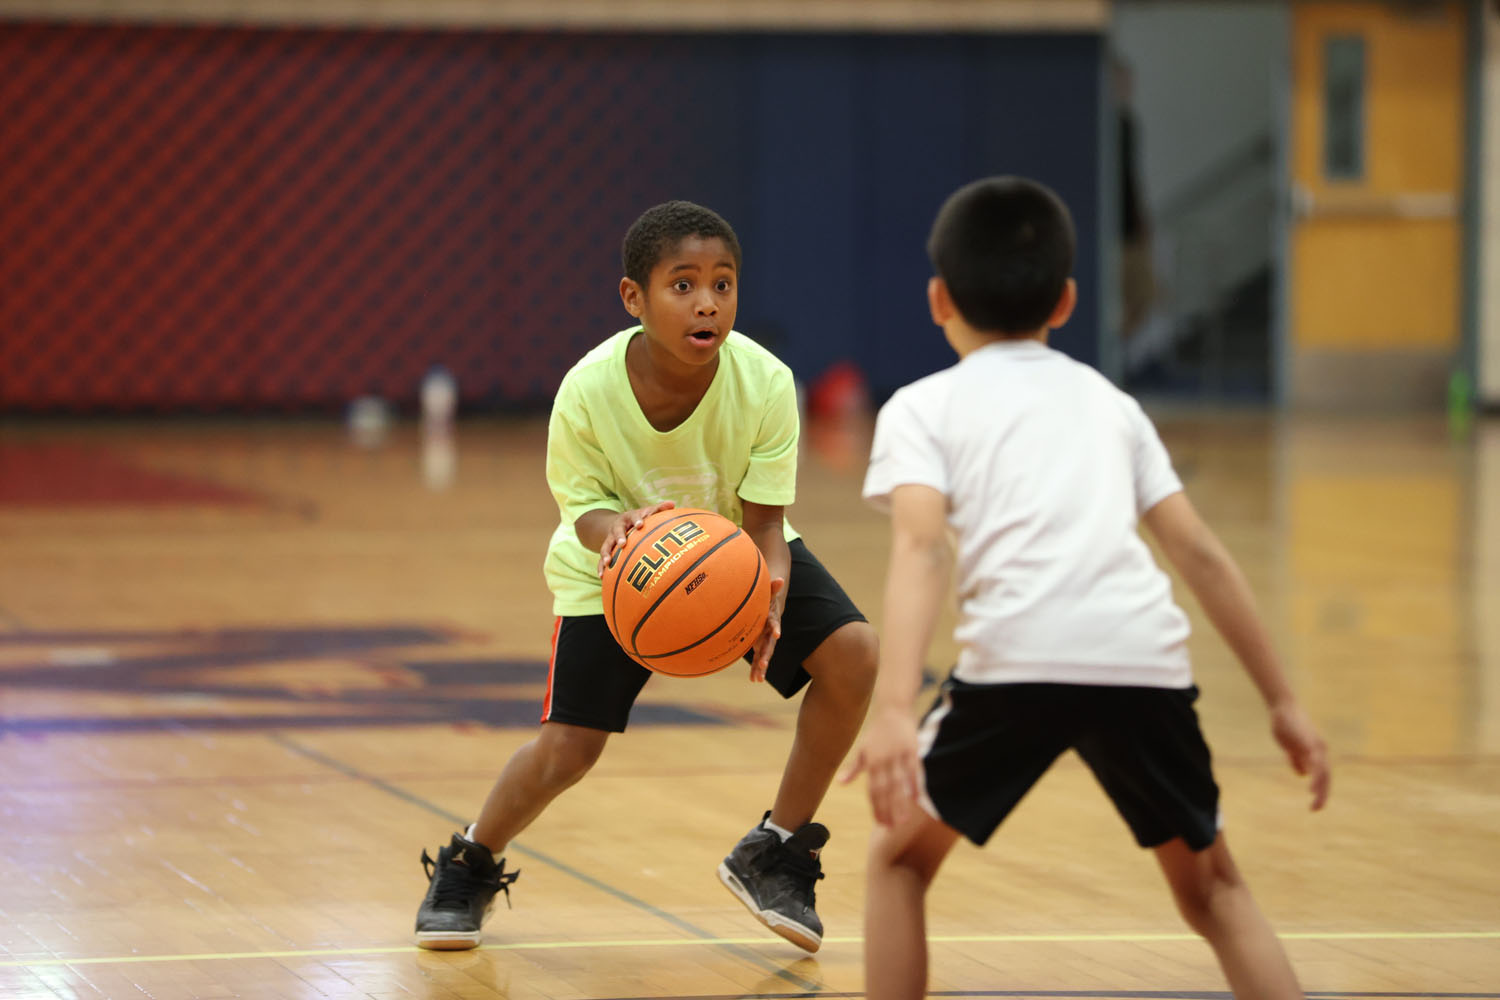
x=1099, y=994
x=1080, y=994
x=271, y=780
x=323, y=777
x=733, y=946
x=737, y=941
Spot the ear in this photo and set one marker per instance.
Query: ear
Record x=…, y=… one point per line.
x=1066, y=303
x=939, y=302
x=633, y=296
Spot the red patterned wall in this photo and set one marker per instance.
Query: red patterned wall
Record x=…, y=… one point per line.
x=201, y=218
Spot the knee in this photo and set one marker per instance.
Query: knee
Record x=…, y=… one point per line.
x=914, y=853
x=909, y=868
x=1202, y=901
x=568, y=753
x=848, y=659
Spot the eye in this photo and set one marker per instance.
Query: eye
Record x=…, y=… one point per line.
x=682, y=285
x=724, y=285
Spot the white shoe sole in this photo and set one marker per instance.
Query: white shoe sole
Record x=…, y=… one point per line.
x=447, y=940
x=803, y=937
x=455, y=940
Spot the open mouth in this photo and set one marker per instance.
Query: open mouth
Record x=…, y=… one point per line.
x=703, y=337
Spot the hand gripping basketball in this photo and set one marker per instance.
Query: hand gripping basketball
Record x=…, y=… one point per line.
x=687, y=594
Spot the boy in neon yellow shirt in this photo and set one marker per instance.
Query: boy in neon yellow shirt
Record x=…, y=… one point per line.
x=678, y=411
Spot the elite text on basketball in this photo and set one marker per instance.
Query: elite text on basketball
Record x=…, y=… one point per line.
x=665, y=551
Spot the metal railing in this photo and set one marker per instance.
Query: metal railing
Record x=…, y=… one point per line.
x=1213, y=240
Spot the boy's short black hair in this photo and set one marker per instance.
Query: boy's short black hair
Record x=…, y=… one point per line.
x=662, y=227
x=1004, y=247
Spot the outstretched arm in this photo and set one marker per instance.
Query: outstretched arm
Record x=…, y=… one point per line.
x=916, y=584
x=1222, y=590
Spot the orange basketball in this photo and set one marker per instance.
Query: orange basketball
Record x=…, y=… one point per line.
x=688, y=594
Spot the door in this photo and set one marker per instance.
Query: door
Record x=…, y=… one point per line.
x=1377, y=161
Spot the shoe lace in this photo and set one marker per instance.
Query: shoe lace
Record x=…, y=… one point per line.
x=806, y=869
x=453, y=885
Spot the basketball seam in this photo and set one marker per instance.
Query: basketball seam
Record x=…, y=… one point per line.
x=717, y=629
x=646, y=616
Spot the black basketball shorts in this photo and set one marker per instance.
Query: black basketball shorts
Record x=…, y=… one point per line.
x=985, y=745
x=592, y=683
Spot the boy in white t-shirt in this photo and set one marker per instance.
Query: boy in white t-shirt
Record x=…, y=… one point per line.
x=1070, y=638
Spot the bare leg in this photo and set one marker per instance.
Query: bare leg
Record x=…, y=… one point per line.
x=534, y=776
x=833, y=709
x=903, y=860
x=1216, y=902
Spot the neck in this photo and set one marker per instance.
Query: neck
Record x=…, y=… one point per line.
x=965, y=340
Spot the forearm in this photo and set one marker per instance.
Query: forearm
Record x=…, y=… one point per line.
x=1226, y=598
x=1215, y=579
x=770, y=538
x=592, y=528
x=916, y=585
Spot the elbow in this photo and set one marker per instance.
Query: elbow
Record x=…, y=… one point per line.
x=932, y=552
x=764, y=531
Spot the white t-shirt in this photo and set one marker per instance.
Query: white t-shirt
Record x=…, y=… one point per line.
x=1047, y=468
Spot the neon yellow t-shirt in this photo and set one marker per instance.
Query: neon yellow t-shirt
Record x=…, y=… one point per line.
x=740, y=443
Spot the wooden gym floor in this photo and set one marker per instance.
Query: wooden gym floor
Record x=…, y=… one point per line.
x=248, y=671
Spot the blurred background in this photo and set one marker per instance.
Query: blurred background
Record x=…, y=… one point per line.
x=257, y=206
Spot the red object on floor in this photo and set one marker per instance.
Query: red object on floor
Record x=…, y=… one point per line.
x=840, y=391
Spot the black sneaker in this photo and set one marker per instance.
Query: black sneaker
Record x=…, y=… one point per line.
x=775, y=880
x=461, y=887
